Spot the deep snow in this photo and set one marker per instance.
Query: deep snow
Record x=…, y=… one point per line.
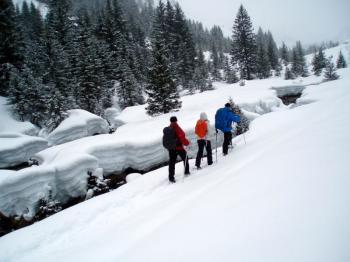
x=282, y=196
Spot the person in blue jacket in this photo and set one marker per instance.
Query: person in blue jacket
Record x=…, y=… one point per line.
x=223, y=121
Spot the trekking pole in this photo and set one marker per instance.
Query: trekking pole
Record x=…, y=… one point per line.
x=216, y=147
x=244, y=139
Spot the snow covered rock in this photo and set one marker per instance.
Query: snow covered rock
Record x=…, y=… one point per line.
x=79, y=123
x=18, y=148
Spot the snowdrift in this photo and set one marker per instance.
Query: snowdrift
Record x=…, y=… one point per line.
x=78, y=124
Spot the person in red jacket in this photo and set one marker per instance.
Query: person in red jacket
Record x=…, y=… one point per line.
x=179, y=150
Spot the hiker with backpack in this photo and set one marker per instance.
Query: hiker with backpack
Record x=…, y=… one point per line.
x=223, y=122
x=202, y=132
x=174, y=139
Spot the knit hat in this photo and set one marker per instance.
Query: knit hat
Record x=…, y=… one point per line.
x=173, y=119
x=203, y=116
x=227, y=105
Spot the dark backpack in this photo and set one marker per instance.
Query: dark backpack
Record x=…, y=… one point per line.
x=221, y=119
x=169, y=138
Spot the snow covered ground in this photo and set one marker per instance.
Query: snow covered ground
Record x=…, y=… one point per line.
x=78, y=124
x=282, y=196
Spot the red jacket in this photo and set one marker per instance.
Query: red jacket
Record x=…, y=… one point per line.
x=181, y=137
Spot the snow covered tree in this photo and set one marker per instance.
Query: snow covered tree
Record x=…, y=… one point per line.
x=244, y=44
x=162, y=93
x=230, y=72
x=272, y=51
x=299, y=67
x=341, y=63
x=330, y=72
x=11, y=43
x=318, y=62
x=288, y=74
x=215, y=64
x=263, y=67
x=243, y=125
x=284, y=53
x=201, y=74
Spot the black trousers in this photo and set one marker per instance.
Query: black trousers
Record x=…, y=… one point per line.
x=201, y=144
x=227, y=142
x=172, y=161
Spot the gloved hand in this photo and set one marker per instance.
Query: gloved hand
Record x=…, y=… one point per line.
x=216, y=130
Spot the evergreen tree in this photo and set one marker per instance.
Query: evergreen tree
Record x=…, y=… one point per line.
x=299, y=67
x=288, y=74
x=201, y=75
x=243, y=125
x=330, y=72
x=244, y=44
x=284, y=54
x=215, y=64
x=318, y=62
x=341, y=63
x=230, y=72
x=263, y=67
x=162, y=92
x=11, y=44
x=272, y=51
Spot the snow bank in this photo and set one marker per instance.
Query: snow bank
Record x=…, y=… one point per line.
x=8, y=124
x=283, y=196
x=79, y=123
x=17, y=148
x=21, y=191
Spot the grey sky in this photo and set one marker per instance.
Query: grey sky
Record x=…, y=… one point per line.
x=311, y=21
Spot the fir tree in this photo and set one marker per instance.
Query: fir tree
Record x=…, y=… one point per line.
x=330, y=72
x=288, y=74
x=318, y=62
x=341, y=63
x=215, y=64
x=272, y=51
x=244, y=44
x=201, y=75
x=162, y=92
x=11, y=44
x=230, y=72
x=299, y=67
x=263, y=67
x=284, y=54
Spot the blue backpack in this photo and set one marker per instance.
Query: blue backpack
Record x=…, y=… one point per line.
x=221, y=119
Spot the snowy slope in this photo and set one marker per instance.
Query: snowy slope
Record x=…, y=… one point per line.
x=283, y=196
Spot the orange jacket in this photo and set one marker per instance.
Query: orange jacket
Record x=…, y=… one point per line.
x=201, y=129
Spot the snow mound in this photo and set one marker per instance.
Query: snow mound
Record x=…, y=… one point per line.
x=80, y=123
x=18, y=148
x=21, y=191
x=8, y=124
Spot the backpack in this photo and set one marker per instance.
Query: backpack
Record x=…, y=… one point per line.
x=169, y=138
x=221, y=119
x=201, y=128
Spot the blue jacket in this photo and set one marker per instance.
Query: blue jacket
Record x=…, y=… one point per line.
x=224, y=118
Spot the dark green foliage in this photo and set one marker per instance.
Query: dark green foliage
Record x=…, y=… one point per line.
x=263, y=66
x=341, y=63
x=230, y=72
x=201, y=73
x=330, y=72
x=284, y=53
x=162, y=92
x=288, y=74
x=299, y=67
x=318, y=62
x=244, y=44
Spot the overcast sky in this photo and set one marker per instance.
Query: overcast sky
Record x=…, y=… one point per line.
x=311, y=21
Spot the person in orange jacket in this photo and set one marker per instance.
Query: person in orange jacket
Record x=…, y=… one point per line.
x=181, y=141
x=202, y=132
